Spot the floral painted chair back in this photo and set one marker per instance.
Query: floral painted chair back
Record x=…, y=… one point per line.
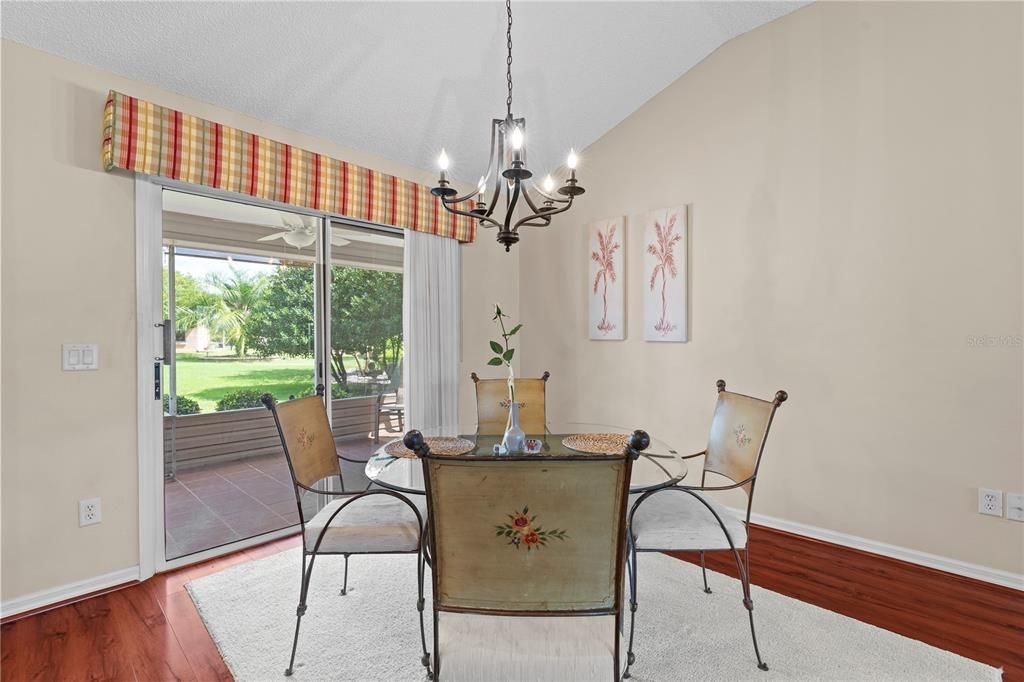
x=492, y=405
x=739, y=429
x=532, y=536
x=308, y=441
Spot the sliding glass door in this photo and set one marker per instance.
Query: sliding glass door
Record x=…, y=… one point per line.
x=248, y=310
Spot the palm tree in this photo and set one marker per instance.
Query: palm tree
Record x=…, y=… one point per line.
x=605, y=259
x=237, y=297
x=663, y=248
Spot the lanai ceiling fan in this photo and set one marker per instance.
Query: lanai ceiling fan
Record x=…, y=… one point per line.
x=301, y=232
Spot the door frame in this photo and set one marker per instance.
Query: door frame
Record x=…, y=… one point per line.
x=149, y=343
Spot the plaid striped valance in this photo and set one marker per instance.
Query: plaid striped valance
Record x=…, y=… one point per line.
x=144, y=137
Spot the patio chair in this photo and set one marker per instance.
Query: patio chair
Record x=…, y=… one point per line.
x=682, y=518
x=492, y=404
x=522, y=548
x=395, y=408
x=371, y=522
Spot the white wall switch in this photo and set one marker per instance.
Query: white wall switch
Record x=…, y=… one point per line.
x=78, y=357
x=990, y=502
x=89, y=511
x=1015, y=506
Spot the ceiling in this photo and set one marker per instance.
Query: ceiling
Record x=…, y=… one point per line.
x=401, y=79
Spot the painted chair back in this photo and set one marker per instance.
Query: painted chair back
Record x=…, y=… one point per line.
x=307, y=439
x=492, y=405
x=739, y=430
x=527, y=536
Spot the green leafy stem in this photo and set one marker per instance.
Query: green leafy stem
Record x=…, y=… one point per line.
x=503, y=353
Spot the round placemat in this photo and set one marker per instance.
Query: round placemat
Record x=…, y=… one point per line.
x=597, y=443
x=439, y=445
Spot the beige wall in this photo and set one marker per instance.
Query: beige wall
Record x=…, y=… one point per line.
x=68, y=269
x=855, y=172
x=856, y=180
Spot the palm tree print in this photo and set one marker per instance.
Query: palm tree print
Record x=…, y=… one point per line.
x=605, y=259
x=663, y=250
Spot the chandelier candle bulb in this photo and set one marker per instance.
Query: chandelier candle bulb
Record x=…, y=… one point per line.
x=442, y=163
x=549, y=184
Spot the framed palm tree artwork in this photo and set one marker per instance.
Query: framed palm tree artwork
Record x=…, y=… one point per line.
x=606, y=286
x=665, y=275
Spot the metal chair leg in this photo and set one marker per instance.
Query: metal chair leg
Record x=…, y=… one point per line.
x=307, y=572
x=420, y=602
x=631, y=567
x=704, y=572
x=744, y=572
x=344, y=585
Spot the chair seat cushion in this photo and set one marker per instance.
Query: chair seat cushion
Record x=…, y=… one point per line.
x=376, y=523
x=483, y=648
x=676, y=520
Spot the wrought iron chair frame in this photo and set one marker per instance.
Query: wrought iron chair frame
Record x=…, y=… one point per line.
x=311, y=554
x=741, y=554
x=638, y=442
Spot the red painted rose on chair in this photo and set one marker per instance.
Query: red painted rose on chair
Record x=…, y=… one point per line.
x=522, y=531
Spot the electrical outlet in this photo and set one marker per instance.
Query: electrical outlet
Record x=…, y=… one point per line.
x=89, y=512
x=990, y=502
x=1015, y=506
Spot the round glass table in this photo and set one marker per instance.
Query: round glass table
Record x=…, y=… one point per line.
x=658, y=466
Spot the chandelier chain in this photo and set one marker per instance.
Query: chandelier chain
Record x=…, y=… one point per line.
x=508, y=61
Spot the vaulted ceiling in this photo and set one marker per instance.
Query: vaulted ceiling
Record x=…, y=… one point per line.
x=401, y=79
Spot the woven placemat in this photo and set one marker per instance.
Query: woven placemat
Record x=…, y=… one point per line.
x=439, y=445
x=597, y=443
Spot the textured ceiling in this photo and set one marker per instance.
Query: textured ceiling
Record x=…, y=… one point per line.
x=401, y=79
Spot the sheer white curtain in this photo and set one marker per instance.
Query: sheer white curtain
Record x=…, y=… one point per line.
x=431, y=311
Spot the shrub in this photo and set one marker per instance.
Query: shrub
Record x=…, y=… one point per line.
x=337, y=393
x=239, y=400
x=186, y=405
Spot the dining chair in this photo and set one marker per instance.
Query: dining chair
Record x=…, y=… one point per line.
x=522, y=547
x=492, y=404
x=370, y=522
x=391, y=402
x=682, y=518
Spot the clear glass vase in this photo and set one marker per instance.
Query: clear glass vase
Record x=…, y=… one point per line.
x=514, y=441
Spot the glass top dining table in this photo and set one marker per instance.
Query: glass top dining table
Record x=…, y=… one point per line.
x=658, y=466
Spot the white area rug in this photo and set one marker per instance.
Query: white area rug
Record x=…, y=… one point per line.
x=682, y=633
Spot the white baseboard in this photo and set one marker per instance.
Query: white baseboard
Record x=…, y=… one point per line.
x=55, y=595
x=969, y=570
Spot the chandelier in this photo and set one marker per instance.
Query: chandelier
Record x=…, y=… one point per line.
x=514, y=181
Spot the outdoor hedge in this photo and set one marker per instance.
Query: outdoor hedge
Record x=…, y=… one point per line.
x=239, y=400
x=186, y=405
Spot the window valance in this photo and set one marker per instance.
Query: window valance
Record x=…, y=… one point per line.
x=155, y=140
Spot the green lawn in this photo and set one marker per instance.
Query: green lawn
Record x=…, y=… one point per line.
x=207, y=379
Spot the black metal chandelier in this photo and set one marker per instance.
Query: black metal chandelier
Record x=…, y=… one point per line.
x=515, y=179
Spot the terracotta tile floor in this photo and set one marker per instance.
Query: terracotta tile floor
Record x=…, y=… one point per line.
x=212, y=505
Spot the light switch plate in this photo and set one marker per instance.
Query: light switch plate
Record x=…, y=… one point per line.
x=77, y=357
x=1015, y=506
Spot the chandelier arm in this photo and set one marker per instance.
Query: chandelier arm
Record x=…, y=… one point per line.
x=459, y=200
x=533, y=206
x=490, y=159
x=512, y=206
x=547, y=196
x=475, y=216
x=546, y=217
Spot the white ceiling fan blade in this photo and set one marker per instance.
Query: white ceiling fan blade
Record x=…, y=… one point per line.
x=339, y=241
x=271, y=237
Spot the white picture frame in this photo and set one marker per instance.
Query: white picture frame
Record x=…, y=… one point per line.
x=666, y=276
x=606, y=281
